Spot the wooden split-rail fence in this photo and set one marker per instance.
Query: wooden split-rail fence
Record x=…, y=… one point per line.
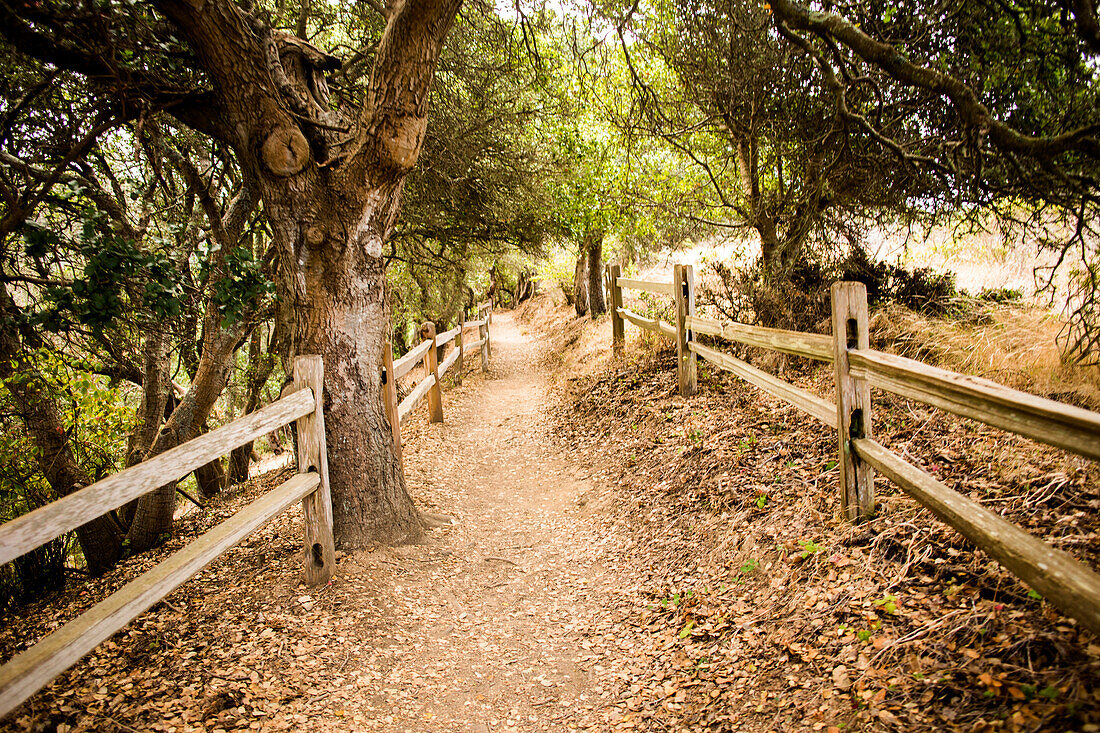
x=300, y=405
x=426, y=354
x=1062, y=580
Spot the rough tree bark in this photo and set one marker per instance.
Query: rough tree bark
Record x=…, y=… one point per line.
x=593, y=249
x=580, y=284
x=332, y=200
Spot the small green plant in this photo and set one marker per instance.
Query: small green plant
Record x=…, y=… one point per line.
x=749, y=567
x=761, y=500
x=1034, y=595
x=888, y=603
x=809, y=547
x=829, y=466
x=1049, y=692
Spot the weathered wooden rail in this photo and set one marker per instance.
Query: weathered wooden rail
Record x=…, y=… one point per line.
x=301, y=404
x=426, y=355
x=1065, y=582
x=30, y=670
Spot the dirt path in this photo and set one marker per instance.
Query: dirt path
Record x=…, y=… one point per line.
x=485, y=624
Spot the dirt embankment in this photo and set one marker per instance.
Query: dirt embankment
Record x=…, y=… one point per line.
x=759, y=610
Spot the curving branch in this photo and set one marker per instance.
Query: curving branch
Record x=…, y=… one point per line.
x=973, y=113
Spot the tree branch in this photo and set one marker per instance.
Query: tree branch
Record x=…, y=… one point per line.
x=974, y=114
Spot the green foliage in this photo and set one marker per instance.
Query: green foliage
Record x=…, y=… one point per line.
x=809, y=547
x=116, y=277
x=97, y=422
x=243, y=284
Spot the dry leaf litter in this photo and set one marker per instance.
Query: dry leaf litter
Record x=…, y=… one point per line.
x=622, y=559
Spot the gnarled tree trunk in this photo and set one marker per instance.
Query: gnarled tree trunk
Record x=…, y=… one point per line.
x=593, y=249
x=580, y=284
x=332, y=200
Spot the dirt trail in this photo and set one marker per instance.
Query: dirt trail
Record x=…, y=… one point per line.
x=485, y=623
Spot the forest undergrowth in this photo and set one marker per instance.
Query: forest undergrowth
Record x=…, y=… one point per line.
x=764, y=611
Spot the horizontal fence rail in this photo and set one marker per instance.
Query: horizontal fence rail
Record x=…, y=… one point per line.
x=806, y=401
x=649, y=324
x=413, y=398
x=1065, y=582
x=1046, y=421
x=649, y=287
x=31, y=530
x=1056, y=575
x=796, y=343
x=409, y=361
x=30, y=670
x=426, y=355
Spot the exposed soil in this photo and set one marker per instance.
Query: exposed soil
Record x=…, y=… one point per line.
x=622, y=559
x=771, y=614
x=485, y=627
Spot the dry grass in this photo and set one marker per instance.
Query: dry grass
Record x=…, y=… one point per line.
x=1008, y=343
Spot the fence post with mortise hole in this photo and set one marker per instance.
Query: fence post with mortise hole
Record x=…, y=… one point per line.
x=320, y=552
x=616, y=292
x=431, y=367
x=853, y=399
x=683, y=290
x=389, y=396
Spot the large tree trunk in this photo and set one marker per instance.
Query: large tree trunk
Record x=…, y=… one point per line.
x=593, y=247
x=332, y=200
x=341, y=313
x=580, y=284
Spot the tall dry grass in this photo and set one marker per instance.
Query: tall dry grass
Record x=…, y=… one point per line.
x=1014, y=344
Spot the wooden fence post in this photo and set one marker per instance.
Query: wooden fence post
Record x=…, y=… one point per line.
x=431, y=366
x=618, y=336
x=488, y=330
x=853, y=399
x=389, y=396
x=458, y=345
x=320, y=552
x=683, y=290
x=483, y=336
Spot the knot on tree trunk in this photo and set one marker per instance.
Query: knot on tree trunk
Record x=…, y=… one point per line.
x=399, y=141
x=286, y=151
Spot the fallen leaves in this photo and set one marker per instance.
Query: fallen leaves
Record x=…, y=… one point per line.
x=896, y=623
